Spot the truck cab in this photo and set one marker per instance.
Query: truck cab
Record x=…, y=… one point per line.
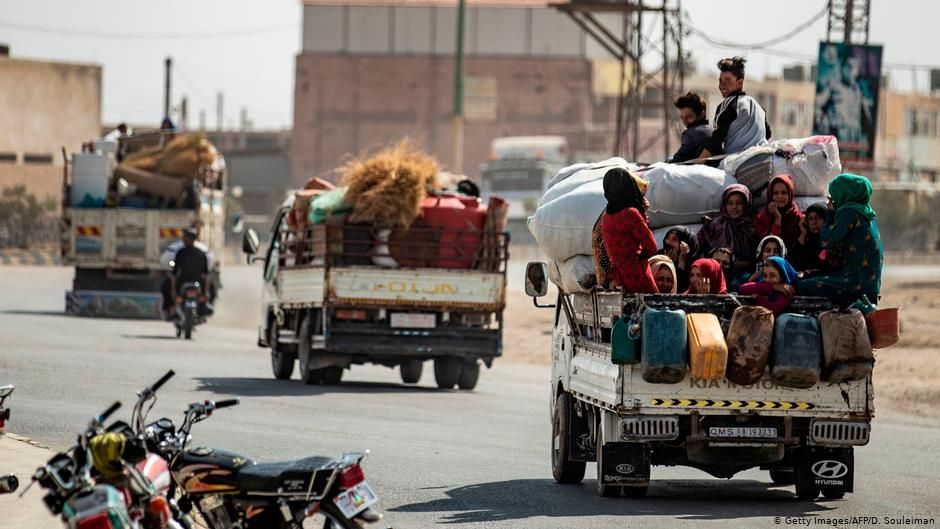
x=606, y=413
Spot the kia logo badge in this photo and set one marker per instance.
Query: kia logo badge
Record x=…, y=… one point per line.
x=625, y=469
x=829, y=469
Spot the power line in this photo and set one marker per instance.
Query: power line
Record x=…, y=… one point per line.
x=760, y=45
x=147, y=36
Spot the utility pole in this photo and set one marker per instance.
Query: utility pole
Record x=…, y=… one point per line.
x=458, y=90
x=850, y=17
x=184, y=114
x=168, y=65
x=219, y=114
x=202, y=120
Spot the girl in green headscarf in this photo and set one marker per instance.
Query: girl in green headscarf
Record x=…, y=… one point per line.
x=851, y=234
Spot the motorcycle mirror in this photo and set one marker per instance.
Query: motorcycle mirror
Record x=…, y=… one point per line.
x=5, y=391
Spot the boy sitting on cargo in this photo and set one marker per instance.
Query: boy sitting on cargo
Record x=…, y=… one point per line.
x=776, y=289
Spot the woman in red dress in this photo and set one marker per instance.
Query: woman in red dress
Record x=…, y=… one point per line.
x=626, y=233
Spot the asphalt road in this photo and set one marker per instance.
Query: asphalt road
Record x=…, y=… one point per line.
x=459, y=459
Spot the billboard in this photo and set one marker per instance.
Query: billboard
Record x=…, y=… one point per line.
x=847, y=85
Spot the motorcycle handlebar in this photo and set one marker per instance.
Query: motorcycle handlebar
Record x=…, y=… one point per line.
x=108, y=412
x=163, y=380
x=226, y=403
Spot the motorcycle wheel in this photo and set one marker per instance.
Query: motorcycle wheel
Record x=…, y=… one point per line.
x=188, y=325
x=335, y=518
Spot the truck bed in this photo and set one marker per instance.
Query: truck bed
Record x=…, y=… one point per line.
x=621, y=388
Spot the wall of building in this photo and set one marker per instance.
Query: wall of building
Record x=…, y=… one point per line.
x=346, y=103
x=45, y=106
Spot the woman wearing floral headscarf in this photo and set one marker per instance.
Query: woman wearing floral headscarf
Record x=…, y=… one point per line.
x=852, y=233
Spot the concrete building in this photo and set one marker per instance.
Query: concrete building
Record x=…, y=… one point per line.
x=259, y=163
x=374, y=71
x=45, y=106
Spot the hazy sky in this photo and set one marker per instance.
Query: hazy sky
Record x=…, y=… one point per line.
x=246, y=48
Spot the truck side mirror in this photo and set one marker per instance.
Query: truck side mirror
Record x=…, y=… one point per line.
x=250, y=242
x=536, y=279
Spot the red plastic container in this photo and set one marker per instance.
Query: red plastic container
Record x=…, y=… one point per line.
x=460, y=220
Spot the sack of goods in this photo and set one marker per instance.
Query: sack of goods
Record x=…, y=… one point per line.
x=577, y=274
x=563, y=222
x=682, y=194
x=812, y=162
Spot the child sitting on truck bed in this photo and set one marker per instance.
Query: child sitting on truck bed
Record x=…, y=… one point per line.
x=777, y=287
x=706, y=277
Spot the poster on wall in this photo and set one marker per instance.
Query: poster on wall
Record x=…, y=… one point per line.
x=847, y=88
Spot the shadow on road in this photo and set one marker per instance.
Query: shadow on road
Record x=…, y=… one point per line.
x=60, y=313
x=150, y=336
x=686, y=500
x=266, y=387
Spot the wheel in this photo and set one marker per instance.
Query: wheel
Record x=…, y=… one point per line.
x=606, y=491
x=282, y=363
x=188, y=324
x=335, y=518
x=410, y=371
x=469, y=373
x=635, y=492
x=564, y=470
x=833, y=493
x=307, y=375
x=783, y=477
x=446, y=372
x=332, y=375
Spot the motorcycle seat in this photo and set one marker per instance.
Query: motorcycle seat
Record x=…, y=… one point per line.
x=288, y=476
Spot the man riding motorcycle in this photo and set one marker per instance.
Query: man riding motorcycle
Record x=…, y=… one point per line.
x=190, y=265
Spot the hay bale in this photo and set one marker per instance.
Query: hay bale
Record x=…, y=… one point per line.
x=388, y=187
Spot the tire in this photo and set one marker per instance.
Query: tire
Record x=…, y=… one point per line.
x=188, y=323
x=282, y=363
x=332, y=375
x=605, y=491
x=335, y=518
x=833, y=493
x=446, y=372
x=307, y=375
x=635, y=492
x=469, y=373
x=564, y=470
x=783, y=477
x=410, y=371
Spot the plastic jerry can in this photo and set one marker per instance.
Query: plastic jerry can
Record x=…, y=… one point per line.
x=708, y=353
x=797, y=351
x=664, y=342
x=847, y=350
x=460, y=221
x=750, y=337
x=624, y=349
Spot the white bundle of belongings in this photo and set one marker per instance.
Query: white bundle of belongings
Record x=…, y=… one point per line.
x=678, y=194
x=681, y=194
x=812, y=163
x=566, y=214
x=577, y=274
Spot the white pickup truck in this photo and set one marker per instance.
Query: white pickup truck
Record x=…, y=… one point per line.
x=607, y=413
x=334, y=296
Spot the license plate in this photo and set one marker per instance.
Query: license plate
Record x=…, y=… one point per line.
x=403, y=320
x=742, y=431
x=355, y=500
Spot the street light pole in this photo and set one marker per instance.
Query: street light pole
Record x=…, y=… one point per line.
x=458, y=90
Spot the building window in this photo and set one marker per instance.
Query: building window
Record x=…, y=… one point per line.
x=921, y=123
x=7, y=157
x=38, y=159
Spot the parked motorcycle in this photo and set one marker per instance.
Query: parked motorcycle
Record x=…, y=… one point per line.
x=8, y=483
x=188, y=309
x=227, y=490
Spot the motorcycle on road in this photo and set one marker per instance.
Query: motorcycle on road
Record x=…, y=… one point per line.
x=228, y=490
x=190, y=309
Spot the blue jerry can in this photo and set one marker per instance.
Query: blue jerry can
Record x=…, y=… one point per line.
x=797, y=351
x=664, y=357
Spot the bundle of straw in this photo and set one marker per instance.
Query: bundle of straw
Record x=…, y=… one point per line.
x=388, y=187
